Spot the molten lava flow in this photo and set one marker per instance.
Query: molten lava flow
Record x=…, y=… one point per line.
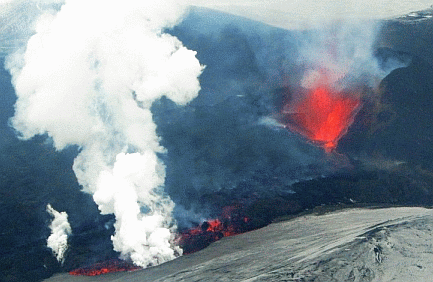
x=215, y=225
x=231, y=222
x=323, y=116
x=104, y=267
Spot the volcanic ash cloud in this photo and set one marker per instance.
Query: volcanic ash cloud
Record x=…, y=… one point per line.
x=88, y=77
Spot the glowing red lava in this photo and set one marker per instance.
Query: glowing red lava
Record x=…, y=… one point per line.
x=104, y=267
x=323, y=116
x=231, y=223
x=215, y=226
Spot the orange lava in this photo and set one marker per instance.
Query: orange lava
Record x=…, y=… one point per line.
x=215, y=225
x=104, y=267
x=323, y=116
x=231, y=222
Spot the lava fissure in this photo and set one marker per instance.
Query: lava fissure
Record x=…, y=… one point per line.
x=113, y=265
x=231, y=221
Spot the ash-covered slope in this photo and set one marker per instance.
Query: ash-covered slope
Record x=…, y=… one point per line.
x=350, y=245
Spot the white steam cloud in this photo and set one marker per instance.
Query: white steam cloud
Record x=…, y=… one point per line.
x=343, y=52
x=60, y=230
x=88, y=77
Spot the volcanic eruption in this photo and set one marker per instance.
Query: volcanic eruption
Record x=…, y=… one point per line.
x=111, y=86
x=322, y=115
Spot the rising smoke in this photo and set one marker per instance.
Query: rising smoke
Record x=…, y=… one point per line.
x=87, y=77
x=344, y=52
x=60, y=231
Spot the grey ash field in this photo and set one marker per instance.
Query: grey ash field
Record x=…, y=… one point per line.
x=387, y=154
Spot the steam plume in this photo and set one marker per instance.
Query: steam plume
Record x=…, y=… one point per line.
x=343, y=52
x=88, y=77
x=60, y=230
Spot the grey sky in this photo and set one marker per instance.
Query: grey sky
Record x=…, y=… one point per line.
x=304, y=13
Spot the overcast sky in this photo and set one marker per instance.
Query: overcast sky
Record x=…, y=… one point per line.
x=302, y=13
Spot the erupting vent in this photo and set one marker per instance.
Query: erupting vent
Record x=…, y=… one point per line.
x=323, y=116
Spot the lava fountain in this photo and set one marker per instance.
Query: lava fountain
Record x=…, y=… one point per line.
x=323, y=115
